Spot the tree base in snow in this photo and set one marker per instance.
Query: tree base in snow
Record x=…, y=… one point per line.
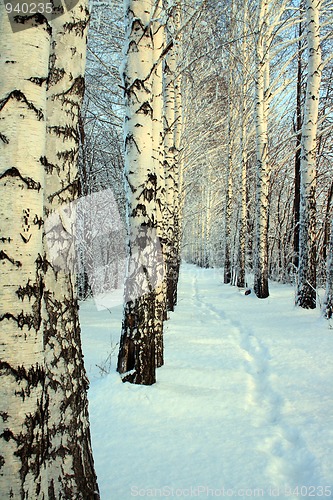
x=306, y=297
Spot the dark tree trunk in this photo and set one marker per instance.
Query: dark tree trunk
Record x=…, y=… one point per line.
x=298, y=130
x=137, y=357
x=328, y=302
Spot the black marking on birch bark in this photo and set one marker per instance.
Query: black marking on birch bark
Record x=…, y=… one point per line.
x=129, y=13
x=71, y=189
x=37, y=80
x=26, y=216
x=138, y=26
x=19, y=96
x=79, y=27
x=132, y=47
x=35, y=20
x=33, y=442
x=132, y=188
x=148, y=193
x=66, y=132
x=138, y=342
x=49, y=167
x=68, y=156
x=81, y=129
x=38, y=221
x=55, y=74
x=30, y=290
x=30, y=183
x=162, y=56
x=32, y=377
x=76, y=89
x=25, y=240
x=42, y=264
x=2, y=461
x=4, y=256
x=139, y=84
x=7, y=435
x=129, y=141
x=4, y=415
x=7, y=316
x=145, y=109
x=140, y=209
x=51, y=490
x=4, y=138
x=22, y=320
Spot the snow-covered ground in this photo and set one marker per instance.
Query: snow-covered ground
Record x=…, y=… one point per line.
x=243, y=406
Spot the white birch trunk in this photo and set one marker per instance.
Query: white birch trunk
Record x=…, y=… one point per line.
x=71, y=471
x=46, y=446
x=23, y=74
x=262, y=174
x=306, y=293
x=229, y=192
x=158, y=163
x=172, y=131
x=229, y=182
x=136, y=361
x=178, y=129
x=169, y=162
x=241, y=258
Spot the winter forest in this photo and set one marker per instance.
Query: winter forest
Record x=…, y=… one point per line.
x=166, y=249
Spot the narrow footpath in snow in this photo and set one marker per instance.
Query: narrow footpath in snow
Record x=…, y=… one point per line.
x=242, y=408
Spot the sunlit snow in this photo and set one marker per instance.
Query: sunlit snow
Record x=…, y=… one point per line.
x=242, y=408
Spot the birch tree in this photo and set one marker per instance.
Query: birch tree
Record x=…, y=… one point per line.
x=178, y=131
x=229, y=180
x=45, y=442
x=172, y=127
x=158, y=34
x=66, y=382
x=136, y=360
x=23, y=116
x=306, y=293
x=244, y=140
x=263, y=170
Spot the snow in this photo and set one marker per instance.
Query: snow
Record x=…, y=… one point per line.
x=242, y=407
